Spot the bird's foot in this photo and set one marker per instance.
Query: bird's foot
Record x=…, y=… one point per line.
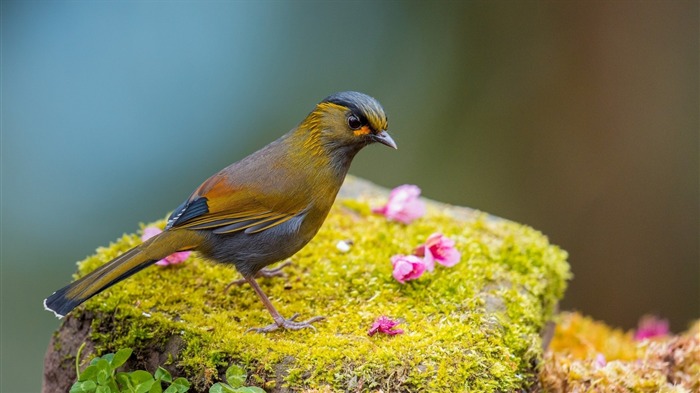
x=288, y=324
x=267, y=273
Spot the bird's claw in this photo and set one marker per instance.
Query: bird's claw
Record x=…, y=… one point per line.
x=288, y=324
x=267, y=273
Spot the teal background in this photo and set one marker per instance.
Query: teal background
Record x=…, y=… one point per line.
x=578, y=118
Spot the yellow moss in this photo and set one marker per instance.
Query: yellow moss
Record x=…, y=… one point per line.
x=584, y=338
x=587, y=355
x=472, y=327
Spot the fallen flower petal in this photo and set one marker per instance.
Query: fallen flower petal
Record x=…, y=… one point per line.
x=438, y=248
x=600, y=361
x=172, y=259
x=403, y=205
x=407, y=267
x=651, y=326
x=384, y=325
x=149, y=232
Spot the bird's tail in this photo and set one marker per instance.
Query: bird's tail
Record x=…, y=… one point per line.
x=154, y=249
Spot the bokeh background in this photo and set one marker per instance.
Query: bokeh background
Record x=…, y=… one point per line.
x=577, y=118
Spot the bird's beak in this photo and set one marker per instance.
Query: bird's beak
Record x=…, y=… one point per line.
x=385, y=139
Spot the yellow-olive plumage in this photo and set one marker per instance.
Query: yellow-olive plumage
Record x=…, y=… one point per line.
x=259, y=210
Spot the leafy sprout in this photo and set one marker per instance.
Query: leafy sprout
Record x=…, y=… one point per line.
x=101, y=376
x=235, y=378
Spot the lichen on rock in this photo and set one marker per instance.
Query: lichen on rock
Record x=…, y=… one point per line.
x=473, y=327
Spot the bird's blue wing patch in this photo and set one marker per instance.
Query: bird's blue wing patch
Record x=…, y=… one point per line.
x=187, y=211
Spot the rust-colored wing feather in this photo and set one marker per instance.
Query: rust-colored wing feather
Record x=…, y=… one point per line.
x=222, y=207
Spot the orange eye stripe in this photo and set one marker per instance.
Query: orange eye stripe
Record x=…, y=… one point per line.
x=362, y=131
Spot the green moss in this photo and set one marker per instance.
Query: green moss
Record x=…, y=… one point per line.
x=57, y=344
x=472, y=327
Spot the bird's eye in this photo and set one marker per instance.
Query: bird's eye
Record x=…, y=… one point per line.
x=354, y=122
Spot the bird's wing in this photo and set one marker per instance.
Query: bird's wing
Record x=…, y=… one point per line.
x=218, y=206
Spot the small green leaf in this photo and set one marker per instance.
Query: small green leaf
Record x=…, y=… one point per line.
x=140, y=376
x=89, y=373
x=120, y=357
x=103, y=365
x=163, y=375
x=123, y=380
x=104, y=389
x=215, y=388
x=112, y=385
x=79, y=387
x=145, y=386
x=181, y=384
x=88, y=386
x=221, y=388
x=156, y=388
x=235, y=376
x=249, y=389
x=103, y=377
x=177, y=389
x=76, y=388
x=108, y=357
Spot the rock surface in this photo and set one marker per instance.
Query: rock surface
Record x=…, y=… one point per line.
x=477, y=326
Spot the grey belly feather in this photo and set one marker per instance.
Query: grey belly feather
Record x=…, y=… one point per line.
x=250, y=252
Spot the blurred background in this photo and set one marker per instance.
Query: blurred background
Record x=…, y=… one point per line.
x=577, y=118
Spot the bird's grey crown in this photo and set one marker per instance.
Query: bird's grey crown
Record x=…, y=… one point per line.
x=361, y=104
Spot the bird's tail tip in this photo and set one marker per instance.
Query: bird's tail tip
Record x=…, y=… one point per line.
x=71, y=296
x=47, y=308
x=59, y=304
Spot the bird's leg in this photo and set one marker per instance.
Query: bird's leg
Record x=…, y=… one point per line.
x=267, y=273
x=280, y=321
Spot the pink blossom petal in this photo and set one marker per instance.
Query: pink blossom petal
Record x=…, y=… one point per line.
x=403, y=205
x=428, y=259
x=438, y=248
x=600, y=361
x=384, y=325
x=651, y=326
x=178, y=257
x=448, y=257
x=149, y=232
x=407, y=267
x=171, y=259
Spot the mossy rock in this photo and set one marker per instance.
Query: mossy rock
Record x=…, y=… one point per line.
x=476, y=326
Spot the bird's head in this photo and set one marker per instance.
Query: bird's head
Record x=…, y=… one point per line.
x=347, y=121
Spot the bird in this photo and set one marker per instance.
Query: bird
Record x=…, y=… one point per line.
x=259, y=210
